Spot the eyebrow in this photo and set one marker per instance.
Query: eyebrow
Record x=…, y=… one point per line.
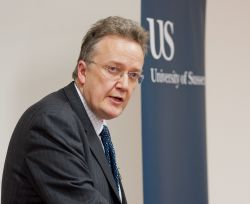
x=120, y=65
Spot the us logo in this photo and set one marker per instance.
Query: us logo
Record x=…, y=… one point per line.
x=166, y=47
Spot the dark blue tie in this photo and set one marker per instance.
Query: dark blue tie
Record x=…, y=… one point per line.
x=110, y=153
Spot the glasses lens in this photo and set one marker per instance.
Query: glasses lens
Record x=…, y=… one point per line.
x=114, y=73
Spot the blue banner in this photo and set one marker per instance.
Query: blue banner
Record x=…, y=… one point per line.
x=173, y=103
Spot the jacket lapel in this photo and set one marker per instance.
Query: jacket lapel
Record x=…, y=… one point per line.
x=94, y=142
x=97, y=150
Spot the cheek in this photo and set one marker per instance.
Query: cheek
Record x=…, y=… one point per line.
x=96, y=85
x=101, y=90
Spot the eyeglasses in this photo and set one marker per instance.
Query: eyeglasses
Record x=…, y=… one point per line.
x=115, y=73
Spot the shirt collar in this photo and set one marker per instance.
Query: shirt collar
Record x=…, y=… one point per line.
x=96, y=122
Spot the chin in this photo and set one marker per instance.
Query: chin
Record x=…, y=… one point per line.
x=112, y=115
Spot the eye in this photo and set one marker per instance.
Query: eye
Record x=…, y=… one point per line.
x=113, y=69
x=134, y=75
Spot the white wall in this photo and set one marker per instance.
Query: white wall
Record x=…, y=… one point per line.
x=228, y=100
x=39, y=45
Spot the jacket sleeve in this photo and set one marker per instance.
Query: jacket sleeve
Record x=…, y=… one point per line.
x=56, y=160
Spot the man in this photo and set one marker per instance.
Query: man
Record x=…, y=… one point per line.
x=60, y=151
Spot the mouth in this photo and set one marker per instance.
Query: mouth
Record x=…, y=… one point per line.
x=117, y=99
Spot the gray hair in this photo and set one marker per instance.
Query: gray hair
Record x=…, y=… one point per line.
x=112, y=25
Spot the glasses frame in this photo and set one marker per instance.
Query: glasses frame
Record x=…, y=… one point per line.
x=106, y=68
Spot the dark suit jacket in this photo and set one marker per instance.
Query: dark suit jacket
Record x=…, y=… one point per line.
x=55, y=156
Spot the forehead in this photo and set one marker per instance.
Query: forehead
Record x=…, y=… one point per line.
x=118, y=49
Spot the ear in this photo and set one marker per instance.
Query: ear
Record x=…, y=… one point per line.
x=81, y=71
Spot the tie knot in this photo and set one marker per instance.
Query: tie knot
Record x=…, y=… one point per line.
x=105, y=132
x=106, y=139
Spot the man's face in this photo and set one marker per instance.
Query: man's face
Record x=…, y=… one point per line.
x=105, y=97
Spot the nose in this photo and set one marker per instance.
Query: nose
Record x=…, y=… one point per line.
x=123, y=82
